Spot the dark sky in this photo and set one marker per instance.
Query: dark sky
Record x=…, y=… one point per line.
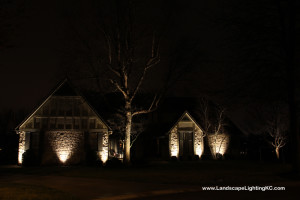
x=32, y=65
x=28, y=68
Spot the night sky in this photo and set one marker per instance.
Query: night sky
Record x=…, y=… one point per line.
x=29, y=65
x=32, y=63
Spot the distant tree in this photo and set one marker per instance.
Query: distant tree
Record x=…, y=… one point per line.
x=266, y=45
x=277, y=125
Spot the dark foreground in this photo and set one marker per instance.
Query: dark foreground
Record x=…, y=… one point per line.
x=181, y=180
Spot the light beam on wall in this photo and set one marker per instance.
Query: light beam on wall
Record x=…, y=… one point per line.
x=63, y=155
x=21, y=146
x=103, y=151
x=174, y=142
x=198, y=142
x=65, y=143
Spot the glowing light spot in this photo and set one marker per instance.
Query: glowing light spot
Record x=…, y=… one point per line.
x=103, y=155
x=20, y=156
x=65, y=143
x=63, y=156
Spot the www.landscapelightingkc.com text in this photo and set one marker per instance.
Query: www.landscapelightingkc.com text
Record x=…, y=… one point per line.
x=243, y=188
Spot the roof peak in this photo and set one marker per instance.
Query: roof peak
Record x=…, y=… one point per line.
x=65, y=88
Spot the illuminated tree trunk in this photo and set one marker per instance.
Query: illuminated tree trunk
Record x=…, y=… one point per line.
x=128, y=132
x=277, y=152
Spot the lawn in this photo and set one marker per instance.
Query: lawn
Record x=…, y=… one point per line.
x=10, y=191
x=187, y=173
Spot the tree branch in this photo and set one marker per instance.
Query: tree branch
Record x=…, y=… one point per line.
x=151, y=108
x=119, y=88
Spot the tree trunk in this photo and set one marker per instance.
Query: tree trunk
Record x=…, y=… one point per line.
x=277, y=152
x=127, y=133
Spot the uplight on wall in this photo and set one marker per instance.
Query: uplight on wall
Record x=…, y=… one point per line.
x=174, y=143
x=64, y=144
x=198, y=142
x=103, y=152
x=21, y=146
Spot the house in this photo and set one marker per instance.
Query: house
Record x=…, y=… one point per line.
x=186, y=140
x=64, y=129
x=186, y=137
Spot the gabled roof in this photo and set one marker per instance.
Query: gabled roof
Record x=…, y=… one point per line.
x=185, y=113
x=64, y=88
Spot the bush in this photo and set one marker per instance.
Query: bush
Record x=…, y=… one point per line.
x=93, y=159
x=114, y=162
x=174, y=159
x=196, y=157
x=29, y=158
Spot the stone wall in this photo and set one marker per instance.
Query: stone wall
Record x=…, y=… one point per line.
x=21, y=146
x=103, y=147
x=198, y=142
x=66, y=147
x=174, y=142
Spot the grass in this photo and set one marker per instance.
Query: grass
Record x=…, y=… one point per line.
x=29, y=192
x=189, y=173
x=202, y=173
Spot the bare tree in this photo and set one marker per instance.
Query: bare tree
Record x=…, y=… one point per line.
x=121, y=59
x=266, y=40
x=213, y=122
x=126, y=56
x=277, y=126
x=117, y=122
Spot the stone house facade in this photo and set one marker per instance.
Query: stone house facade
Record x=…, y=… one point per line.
x=186, y=139
x=64, y=129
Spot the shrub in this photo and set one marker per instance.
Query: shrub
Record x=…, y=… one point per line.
x=174, y=159
x=114, y=162
x=29, y=158
x=93, y=159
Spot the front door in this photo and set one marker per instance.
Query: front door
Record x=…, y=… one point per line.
x=186, y=144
